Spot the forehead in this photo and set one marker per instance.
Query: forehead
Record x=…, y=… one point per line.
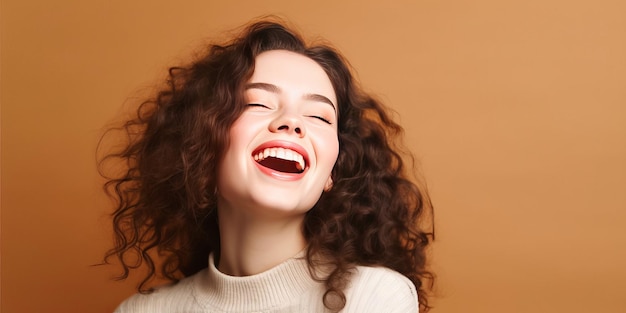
x=292, y=72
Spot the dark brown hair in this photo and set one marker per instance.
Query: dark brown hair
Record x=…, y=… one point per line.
x=165, y=218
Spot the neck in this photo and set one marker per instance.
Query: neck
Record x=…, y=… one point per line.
x=252, y=244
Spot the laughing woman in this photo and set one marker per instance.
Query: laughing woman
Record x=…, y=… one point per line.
x=263, y=179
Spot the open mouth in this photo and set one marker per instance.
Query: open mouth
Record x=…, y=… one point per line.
x=281, y=160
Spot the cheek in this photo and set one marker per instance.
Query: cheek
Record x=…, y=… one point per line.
x=329, y=149
x=242, y=131
x=237, y=130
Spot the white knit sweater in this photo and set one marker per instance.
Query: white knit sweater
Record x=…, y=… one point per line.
x=286, y=288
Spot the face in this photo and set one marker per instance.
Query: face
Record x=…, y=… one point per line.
x=284, y=146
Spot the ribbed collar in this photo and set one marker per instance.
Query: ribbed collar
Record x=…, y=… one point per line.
x=274, y=288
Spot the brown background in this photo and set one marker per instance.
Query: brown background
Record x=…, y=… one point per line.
x=515, y=109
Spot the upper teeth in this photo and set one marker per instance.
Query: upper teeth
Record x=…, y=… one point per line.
x=281, y=153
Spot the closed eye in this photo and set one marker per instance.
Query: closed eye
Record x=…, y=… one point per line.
x=258, y=105
x=321, y=119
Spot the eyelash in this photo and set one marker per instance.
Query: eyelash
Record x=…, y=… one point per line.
x=321, y=119
x=258, y=105
x=313, y=116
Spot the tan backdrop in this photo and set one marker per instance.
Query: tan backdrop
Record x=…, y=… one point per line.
x=516, y=110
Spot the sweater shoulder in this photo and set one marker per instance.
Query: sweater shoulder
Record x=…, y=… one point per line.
x=380, y=289
x=165, y=299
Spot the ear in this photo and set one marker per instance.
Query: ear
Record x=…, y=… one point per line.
x=329, y=184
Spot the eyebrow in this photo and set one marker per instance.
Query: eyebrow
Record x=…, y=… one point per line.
x=275, y=89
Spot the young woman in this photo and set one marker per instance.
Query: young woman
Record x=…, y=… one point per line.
x=263, y=179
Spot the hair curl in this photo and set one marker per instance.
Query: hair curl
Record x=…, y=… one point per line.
x=166, y=202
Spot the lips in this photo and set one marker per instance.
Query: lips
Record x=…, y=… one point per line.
x=281, y=157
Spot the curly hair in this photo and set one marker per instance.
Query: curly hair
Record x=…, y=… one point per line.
x=166, y=221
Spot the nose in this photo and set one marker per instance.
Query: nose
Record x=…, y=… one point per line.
x=289, y=124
